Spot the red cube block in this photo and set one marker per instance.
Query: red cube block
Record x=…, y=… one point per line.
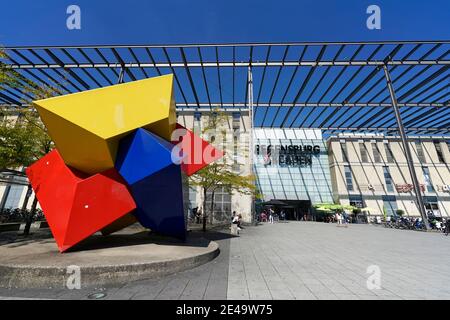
x=77, y=205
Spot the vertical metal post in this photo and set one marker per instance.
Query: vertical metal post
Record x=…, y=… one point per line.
x=252, y=147
x=401, y=130
x=122, y=70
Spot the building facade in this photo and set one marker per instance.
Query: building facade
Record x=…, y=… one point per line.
x=231, y=133
x=291, y=165
x=301, y=168
x=370, y=171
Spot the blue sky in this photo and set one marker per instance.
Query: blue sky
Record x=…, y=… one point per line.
x=31, y=22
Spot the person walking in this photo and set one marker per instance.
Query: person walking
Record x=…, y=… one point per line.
x=271, y=214
x=235, y=220
x=338, y=218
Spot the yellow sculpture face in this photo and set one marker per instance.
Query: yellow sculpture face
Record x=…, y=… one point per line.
x=87, y=126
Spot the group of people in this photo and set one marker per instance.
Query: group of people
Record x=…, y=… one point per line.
x=342, y=218
x=236, y=219
x=270, y=215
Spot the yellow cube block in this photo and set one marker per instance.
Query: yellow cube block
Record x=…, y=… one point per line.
x=87, y=126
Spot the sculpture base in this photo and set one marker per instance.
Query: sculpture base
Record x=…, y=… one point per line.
x=127, y=256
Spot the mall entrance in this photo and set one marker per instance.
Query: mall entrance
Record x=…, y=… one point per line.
x=296, y=210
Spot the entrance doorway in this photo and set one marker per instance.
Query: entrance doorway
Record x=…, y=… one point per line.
x=298, y=210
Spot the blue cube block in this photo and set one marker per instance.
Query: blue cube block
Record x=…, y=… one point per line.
x=145, y=161
x=141, y=154
x=159, y=202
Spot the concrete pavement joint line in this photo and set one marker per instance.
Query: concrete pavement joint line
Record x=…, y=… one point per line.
x=263, y=276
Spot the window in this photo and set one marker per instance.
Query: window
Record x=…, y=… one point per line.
x=356, y=201
x=428, y=183
x=390, y=205
x=197, y=125
x=388, y=179
x=344, y=152
x=222, y=204
x=376, y=153
x=13, y=197
x=437, y=145
x=420, y=153
x=236, y=120
x=432, y=206
x=363, y=151
x=348, y=178
x=389, y=154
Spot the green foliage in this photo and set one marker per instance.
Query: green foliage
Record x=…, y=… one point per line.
x=220, y=174
x=23, y=140
x=400, y=212
x=23, y=137
x=332, y=207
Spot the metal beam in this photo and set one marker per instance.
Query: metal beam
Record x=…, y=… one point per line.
x=277, y=63
x=407, y=150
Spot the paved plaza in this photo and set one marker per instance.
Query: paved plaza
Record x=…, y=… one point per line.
x=298, y=260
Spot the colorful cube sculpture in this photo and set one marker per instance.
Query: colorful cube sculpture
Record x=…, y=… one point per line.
x=115, y=163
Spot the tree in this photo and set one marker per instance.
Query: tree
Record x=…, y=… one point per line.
x=23, y=137
x=219, y=174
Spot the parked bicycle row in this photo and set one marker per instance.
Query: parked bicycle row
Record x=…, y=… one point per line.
x=414, y=223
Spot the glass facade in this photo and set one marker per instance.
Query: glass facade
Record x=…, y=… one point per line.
x=292, y=164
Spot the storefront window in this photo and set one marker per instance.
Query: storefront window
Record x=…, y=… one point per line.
x=431, y=206
x=356, y=201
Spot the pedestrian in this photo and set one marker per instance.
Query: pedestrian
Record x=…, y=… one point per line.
x=282, y=215
x=338, y=218
x=235, y=220
x=271, y=214
x=198, y=215
x=240, y=221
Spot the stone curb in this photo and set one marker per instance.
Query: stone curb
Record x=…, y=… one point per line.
x=22, y=276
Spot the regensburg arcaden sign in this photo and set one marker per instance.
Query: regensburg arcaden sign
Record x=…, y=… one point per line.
x=287, y=155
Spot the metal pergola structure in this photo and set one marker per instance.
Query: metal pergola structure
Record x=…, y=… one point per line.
x=393, y=86
x=334, y=86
